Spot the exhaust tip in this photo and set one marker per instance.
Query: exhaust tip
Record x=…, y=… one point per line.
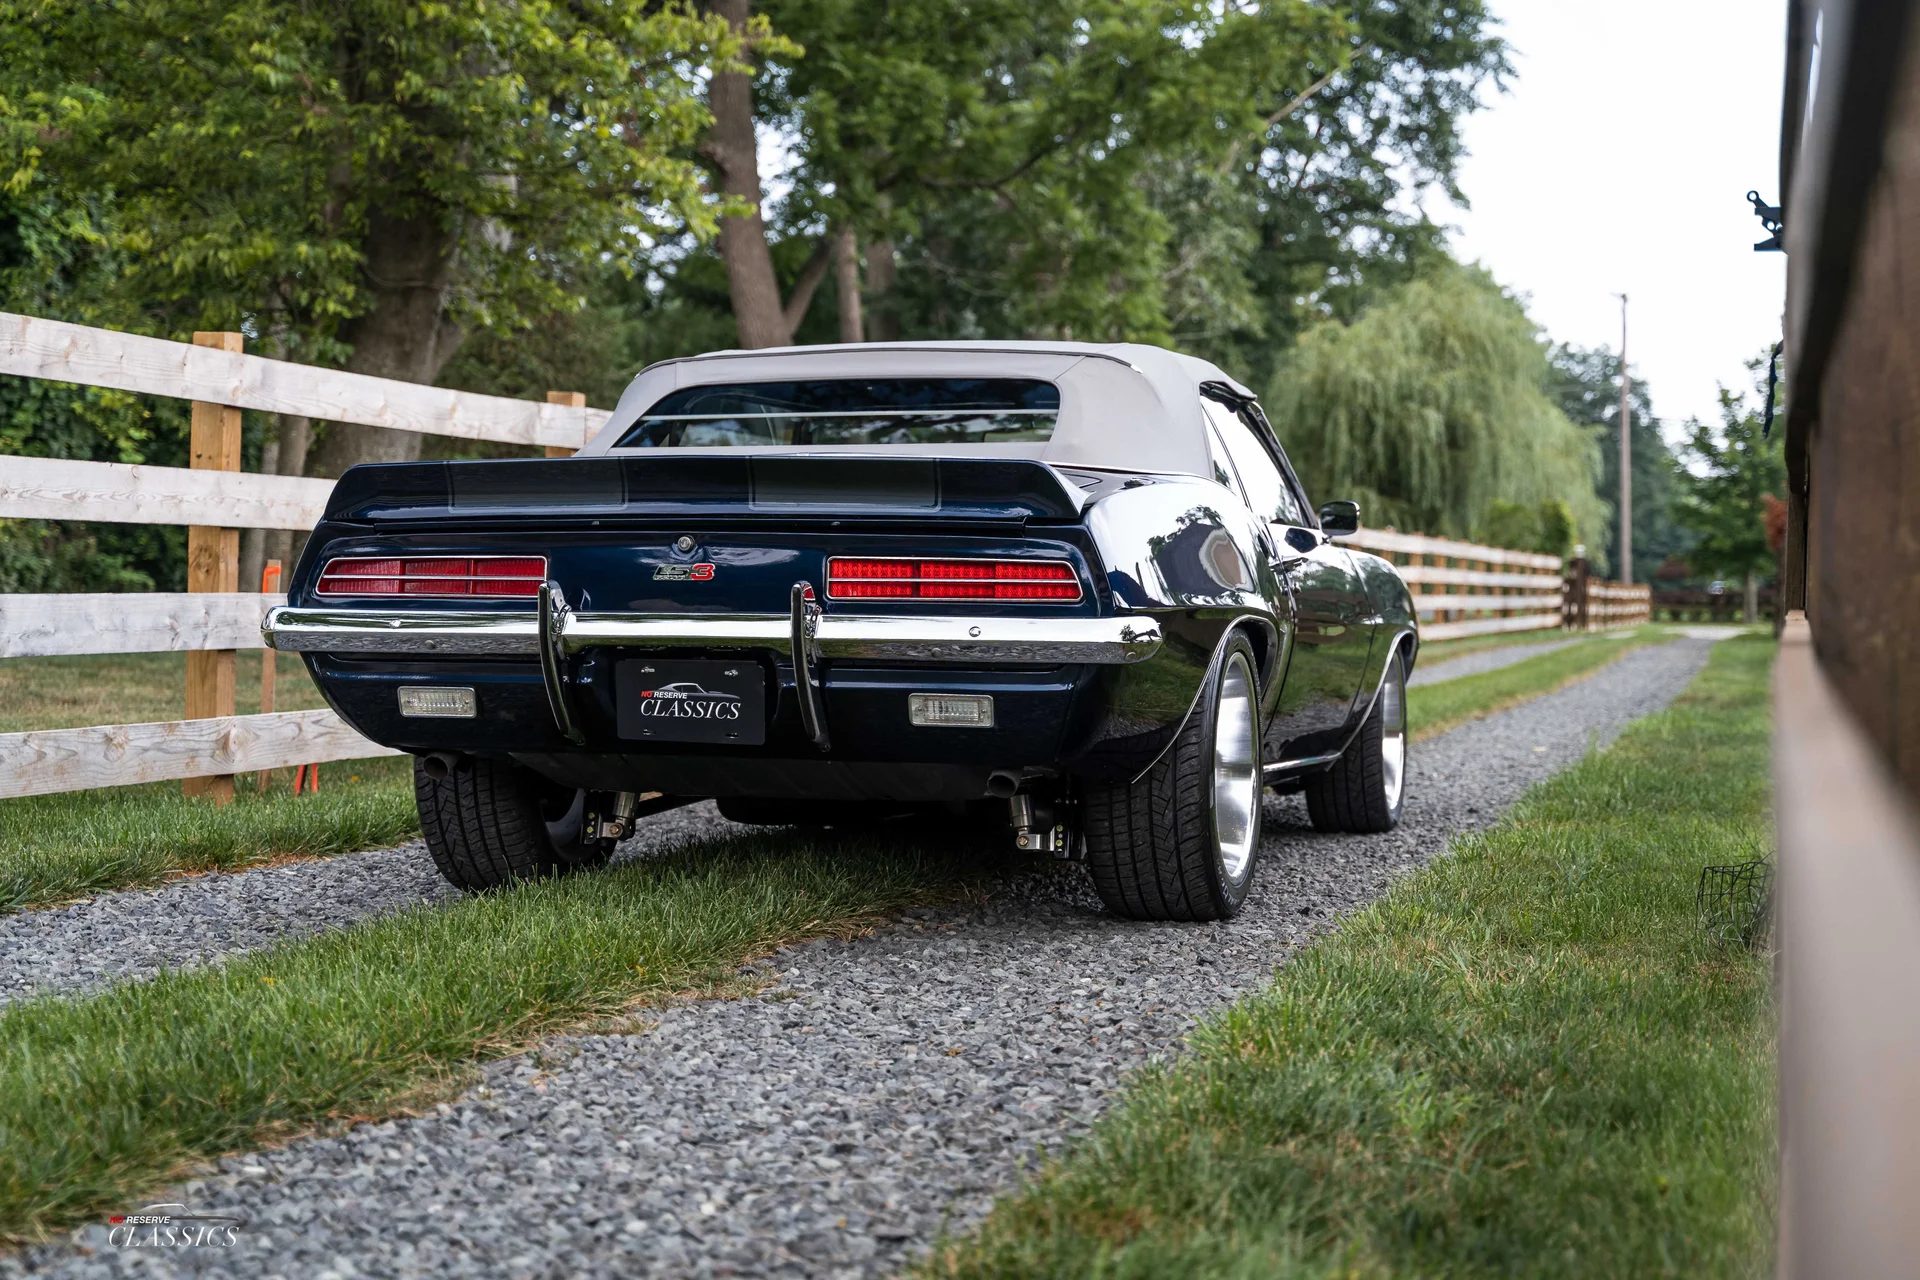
x=436, y=767
x=1002, y=785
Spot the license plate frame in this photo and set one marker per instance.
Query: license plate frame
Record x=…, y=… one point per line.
x=726, y=706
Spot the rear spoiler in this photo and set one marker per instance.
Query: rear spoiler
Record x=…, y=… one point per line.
x=706, y=484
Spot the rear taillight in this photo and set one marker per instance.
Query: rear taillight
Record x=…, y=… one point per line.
x=469, y=577
x=1034, y=580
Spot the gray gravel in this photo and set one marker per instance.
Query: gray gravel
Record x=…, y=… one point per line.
x=201, y=919
x=879, y=1091
x=1473, y=664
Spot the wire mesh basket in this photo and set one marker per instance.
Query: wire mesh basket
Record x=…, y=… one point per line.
x=1735, y=903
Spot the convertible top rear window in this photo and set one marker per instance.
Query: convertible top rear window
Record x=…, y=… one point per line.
x=852, y=411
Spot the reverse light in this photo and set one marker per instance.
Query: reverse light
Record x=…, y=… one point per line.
x=470, y=577
x=1016, y=580
x=437, y=702
x=950, y=710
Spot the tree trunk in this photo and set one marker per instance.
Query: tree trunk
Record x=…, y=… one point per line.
x=846, y=276
x=1753, y=596
x=253, y=542
x=730, y=144
x=296, y=437
x=883, y=319
x=405, y=335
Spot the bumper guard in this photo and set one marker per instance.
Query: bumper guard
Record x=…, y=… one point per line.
x=942, y=639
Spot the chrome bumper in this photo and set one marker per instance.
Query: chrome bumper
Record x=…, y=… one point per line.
x=1054, y=641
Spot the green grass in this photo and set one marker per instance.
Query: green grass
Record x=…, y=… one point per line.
x=107, y=1098
x=132, y=688
x=1433, y=651
x=57, y=847
x=1435, y=708
x=1524, y=1061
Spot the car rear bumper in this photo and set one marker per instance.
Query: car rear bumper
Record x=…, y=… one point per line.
x=940, y=639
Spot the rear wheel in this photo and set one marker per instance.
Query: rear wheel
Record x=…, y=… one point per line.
x=1180, y=844
x=1364, y=789
x=491, y=822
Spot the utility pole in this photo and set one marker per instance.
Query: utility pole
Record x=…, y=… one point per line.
x=1625, y=567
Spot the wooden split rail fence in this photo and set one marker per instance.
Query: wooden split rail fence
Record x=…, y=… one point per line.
x=215, y=499
x=1465, y=589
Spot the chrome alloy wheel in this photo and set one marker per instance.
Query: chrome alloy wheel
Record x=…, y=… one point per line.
x=1236, y=769
x=1393, y=733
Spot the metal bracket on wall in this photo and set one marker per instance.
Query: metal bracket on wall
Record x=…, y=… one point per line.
x=1769, y=215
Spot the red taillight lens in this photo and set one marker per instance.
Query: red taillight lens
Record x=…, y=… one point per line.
x=1034, y=580
x=494, y=577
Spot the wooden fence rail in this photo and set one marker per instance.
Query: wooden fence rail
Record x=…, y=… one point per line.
x=71, y=624
x=34, y=348
x=120, y=755
x=65, y=489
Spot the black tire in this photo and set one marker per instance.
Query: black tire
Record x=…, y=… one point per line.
x=1153, y=846
x=1355, y=795
x=489, y=823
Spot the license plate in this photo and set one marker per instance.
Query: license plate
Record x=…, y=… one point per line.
x=688, y=700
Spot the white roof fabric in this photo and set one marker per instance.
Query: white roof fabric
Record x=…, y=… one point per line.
x=1123, y=406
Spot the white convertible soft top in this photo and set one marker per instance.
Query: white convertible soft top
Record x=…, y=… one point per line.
x=1123, y=406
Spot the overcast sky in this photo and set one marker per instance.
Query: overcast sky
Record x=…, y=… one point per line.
x=1619, y=161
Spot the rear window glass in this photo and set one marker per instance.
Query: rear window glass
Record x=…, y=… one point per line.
x=851, y=411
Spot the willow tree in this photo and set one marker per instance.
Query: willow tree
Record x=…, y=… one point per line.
x=1431, y=407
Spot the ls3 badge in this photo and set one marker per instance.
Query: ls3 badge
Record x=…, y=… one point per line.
x=683, y=572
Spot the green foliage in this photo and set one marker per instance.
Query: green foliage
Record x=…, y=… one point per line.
x=1431, y=407
x=1197, y=211
x=235, y=157
x=59, y=420
x=1526, y=1060
x=1720, y=495
x=1547, y=526
x=1585, y=383
x=44, y=555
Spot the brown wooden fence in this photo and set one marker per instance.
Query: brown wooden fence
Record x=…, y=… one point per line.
x=1465, y=589
x=1595, y=604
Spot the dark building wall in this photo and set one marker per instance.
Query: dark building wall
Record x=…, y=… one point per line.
x=1863, y=461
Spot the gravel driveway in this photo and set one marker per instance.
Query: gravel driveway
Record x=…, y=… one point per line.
x=881, y=1091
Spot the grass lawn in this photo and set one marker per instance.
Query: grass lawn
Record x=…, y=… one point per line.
x=1522, y=1061
x=1435, y=708
x=133, y=688
x=58, y=847
x=1434, y=651
x=105, y=1099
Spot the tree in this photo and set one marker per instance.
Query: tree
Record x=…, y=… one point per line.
x=1586, y=385
x=1547, y=527
x=1723, y=493
x=1431, y=407
x=1034, y=129
x=356, y=181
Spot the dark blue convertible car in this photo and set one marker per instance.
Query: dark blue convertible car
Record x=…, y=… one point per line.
x=1078, y=585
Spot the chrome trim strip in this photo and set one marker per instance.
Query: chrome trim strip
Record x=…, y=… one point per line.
x=432, y=633
x=1282, y=766
x=936, y=639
